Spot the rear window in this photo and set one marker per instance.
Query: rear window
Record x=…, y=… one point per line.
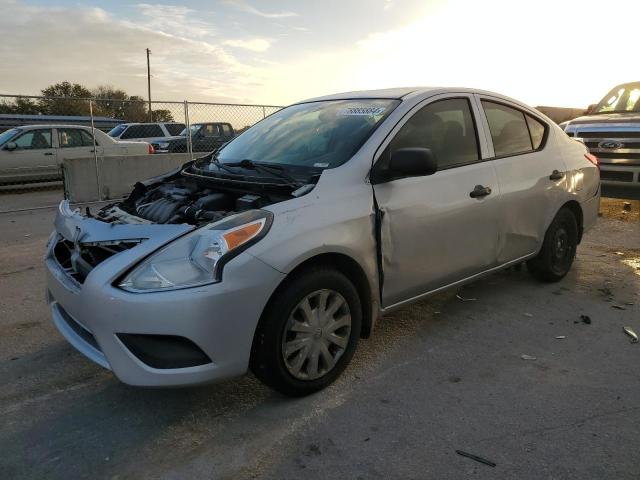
x=536, y=129
x=175, y=128
x=143, y=131
x=508, y=127
x=116, y=131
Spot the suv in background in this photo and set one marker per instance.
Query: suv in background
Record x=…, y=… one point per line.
x=611, y=131
x=145, y=131
x=205, y=137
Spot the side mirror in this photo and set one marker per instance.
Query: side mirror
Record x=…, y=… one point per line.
x=413, y=162
x=591, y=108
x=11, y=146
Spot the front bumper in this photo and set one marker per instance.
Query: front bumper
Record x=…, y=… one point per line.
x=219, y=318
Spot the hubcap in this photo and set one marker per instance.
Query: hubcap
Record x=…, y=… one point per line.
x=561, y=244
x=316, y=335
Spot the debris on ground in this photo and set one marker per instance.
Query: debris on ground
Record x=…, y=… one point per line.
x=524, y=356
x=606, y=291
x=618, y=307
x=459, y=297
x=626, y=207
x=586, y=319
x=619, y=253
x=629, y=331
x=561, y=337
x=476, y=458
x=528, y=315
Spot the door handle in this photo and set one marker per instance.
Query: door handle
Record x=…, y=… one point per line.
x=48, y=153
x=556, y=175
x=479, y=191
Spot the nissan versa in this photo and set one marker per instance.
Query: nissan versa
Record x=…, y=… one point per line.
x=280, y=250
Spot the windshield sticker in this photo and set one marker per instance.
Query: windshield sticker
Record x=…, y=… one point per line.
x=321, y=165
x=361, y=111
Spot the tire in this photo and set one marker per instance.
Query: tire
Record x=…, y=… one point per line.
x=288, y=310
x=558, y=249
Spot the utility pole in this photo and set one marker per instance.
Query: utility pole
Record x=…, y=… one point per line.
x=149, y=85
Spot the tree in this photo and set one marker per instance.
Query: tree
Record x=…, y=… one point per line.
x=65, y=98
x=21, y=105
x=162, y=115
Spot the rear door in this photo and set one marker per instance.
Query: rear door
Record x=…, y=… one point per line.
x=74, y=143
x=531, y=177
x=433, y=232
x=33, y=160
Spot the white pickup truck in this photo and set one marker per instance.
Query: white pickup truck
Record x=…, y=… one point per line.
x=611, y=131
x=33, y=154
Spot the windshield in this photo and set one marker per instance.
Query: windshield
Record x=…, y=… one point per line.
x=116, y=131
x=625, y=98
x=8, y=135
x=194, y=129
x=318, y=134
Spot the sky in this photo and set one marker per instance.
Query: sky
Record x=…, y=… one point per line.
x=544, y=52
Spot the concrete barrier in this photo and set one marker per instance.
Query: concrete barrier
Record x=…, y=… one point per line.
x=117, y=174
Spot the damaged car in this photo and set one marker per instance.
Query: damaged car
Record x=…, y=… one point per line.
x=279, y=251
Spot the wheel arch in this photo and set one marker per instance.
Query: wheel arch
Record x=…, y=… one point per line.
x=574, y=207
x=346, y=265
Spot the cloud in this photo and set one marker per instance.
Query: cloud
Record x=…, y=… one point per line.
x=254, y=44
x=44, y=45
x=245, y=7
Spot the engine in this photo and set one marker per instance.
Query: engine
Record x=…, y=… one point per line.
x=179, y=201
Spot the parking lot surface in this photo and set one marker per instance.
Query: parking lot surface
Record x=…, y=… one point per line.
x=442, y=375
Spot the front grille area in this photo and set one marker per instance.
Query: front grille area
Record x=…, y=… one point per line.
x=78, y=261
x=618, y=147
x=616, y=176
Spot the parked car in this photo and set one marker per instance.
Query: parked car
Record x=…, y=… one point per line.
x=611, y=131
x=146, y=131
x=205, y=137
x=279, y=251
x=34, y=153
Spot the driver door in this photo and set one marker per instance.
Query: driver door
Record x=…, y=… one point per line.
x=34, y=159
x=433, y=232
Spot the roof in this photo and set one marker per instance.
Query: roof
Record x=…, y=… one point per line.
x=394, y=93
x=53, y=125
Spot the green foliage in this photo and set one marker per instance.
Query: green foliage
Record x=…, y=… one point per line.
x=162, y=115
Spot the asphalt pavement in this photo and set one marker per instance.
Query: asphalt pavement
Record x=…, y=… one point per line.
x=438, y=376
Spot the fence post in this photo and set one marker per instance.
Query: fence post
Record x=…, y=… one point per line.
x=264, y=113
x=188, y=124
x=95, y=151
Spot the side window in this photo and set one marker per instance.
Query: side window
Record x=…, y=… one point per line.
x=211, y=130
x=508, y=127
x=537, y=130
x=447, y=128
x=70, y=137
x=143, y=131
x=226, y=129
x=175, y=128
x=34, y=140
x=87, y=139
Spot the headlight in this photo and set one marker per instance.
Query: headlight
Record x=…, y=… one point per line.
x=163, y=145
x=198, y=257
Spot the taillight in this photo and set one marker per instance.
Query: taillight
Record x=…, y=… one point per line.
x=151, y=150
x=592, y=158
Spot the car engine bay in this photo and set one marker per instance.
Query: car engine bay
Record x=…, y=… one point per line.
x=188, y=200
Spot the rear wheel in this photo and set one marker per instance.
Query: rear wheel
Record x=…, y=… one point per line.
x=308, y=334
x=558, y=249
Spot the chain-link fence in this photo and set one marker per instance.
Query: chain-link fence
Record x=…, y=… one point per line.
x=156, y=122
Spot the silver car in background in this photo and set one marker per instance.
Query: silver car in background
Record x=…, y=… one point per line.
x=34, y=153
x=279, y=251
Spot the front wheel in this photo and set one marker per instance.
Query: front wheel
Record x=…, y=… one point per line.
x=558, y=249
x=308, y=333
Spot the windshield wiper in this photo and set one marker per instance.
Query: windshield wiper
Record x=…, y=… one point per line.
x=222, y=166
x=276, y=171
